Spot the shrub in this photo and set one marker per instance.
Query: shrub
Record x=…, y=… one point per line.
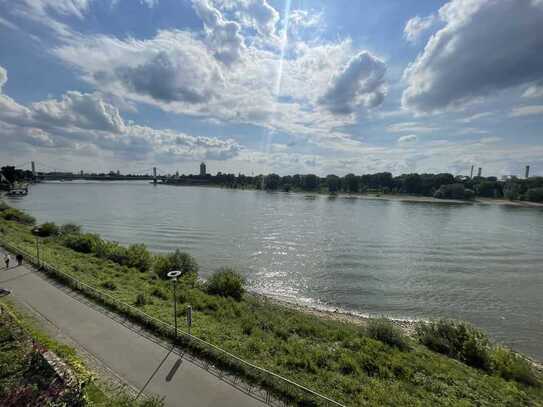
x=158, y=293
x=535, y=194
x=70, y=229
x=139, y=257
x=110, y=285
x=17, y=216
x=141, y=300
x=383, y=330
x=3, y=206
x=178, y=260
x=85, y=243
x=46, y=230
x=513, y=367
x=458, y=340
x=453, y=191
x=226, y=282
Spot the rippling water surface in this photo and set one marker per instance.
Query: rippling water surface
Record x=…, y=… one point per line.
x=481, y=263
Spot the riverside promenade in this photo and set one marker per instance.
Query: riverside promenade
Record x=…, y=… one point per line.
x=137, y=358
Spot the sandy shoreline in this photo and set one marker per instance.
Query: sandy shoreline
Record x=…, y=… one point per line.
x=406, y=325
x=429, y=199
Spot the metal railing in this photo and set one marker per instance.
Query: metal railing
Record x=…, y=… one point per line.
x=248, y=370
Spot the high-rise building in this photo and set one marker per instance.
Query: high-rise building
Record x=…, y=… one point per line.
x=203, y=170
x=479, y=172
x=527, y=172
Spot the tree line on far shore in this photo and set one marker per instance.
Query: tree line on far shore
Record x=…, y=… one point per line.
x=443, y=185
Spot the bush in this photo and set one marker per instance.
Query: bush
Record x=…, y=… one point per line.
x=141, y=300
x=535, y=195
x=178, y=260
x=46, y=230
x=70, y=229
x=513, y=367
x=3, y=206
x=226, y=282
x=110, y=285
x=458, y=340
x=453, y=191
x=85, y=243
x=158, y=293
x=139, y=257
x=17, y=216
x=383, y=330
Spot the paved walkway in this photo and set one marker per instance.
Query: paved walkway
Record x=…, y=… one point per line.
x=134, y=357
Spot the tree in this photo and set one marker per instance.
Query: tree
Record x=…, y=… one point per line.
x=177, y=260
x=10, y=173
x=412, y=184
x=310, y=182
x=352, y=183
x=535, y=194
x=271, y=182
x=453, y=191
x=333, y=183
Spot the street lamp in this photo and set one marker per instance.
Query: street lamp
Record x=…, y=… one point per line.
x=35, y=231
x=174, y=274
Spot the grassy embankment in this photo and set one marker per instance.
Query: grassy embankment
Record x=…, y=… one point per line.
x=25, y=381
x=349, y=363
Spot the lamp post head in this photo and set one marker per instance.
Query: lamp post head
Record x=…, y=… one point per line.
x=173, y=274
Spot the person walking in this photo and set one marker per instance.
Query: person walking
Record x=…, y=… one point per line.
x=6, y=260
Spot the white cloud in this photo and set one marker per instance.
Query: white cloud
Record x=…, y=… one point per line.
x=485, y=46
x=527, y=111
x=474, y=117
x=416, y=26
x=410, y=138
x=78, y=119
x=534, y=91
x=3, y=78
x=410, y=127
x=224, y=36
x=360, y=84
x=243, y=92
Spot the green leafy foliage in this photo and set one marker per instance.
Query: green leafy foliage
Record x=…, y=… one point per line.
x=226, y=282
x=46, y=230
x=383, y=330
x=458, y=340
x=141, y=300
x=83, y=243
x=3, y=206
x=177, y=260
x=511, y=366
x=17, y=216
x=110, y=285
x=535, y=194
x=453, y=191
x=70, y=229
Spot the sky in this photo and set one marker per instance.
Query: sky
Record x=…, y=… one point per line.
x=261, y=86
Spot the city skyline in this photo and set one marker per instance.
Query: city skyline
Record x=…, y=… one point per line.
x=283, y=87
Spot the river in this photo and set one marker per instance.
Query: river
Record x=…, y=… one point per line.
x=480, y=263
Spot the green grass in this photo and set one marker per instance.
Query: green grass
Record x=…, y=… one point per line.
x=340, y=360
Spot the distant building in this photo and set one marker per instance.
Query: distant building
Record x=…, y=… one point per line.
x=480, y=172
x=203, y=170
x=527, y=174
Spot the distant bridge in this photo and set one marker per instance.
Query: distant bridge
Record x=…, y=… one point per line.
x=56, y=174
x=89, y=177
